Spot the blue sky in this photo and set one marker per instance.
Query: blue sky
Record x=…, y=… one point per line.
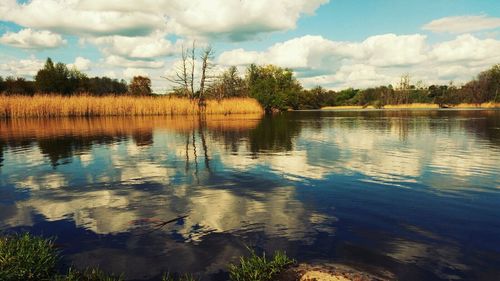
x=336, y=44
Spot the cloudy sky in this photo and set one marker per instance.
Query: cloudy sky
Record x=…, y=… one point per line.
x=336, y=44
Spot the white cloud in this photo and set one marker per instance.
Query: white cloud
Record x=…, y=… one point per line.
x=81, y=64
x=238, y=19
x=21, y=68
x=392, y=50
x=123, y=62
x=64, y=16
x=140, y=47
x=462, y=24
x=316, y=52
x=469, y=49
x=130, y=72
x=31, y=39
x=234, y=19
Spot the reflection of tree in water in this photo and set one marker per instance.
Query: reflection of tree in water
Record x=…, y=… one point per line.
x=193, y=138
x=486, y=126
x=63, y=148
x=2, y=144
x=143, y=137
x=274, y=134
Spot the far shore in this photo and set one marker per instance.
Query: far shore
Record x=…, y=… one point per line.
x=489, y=105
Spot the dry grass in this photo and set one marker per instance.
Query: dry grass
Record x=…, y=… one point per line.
x=414, y=106
x=346, y=107
x=483, y=105
x=59, y=106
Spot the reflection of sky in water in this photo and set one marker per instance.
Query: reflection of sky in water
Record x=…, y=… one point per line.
x=375, y=190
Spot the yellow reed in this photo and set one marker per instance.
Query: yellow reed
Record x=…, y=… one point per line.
x=60, y=106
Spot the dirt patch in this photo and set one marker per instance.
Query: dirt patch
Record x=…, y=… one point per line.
x=328, y=272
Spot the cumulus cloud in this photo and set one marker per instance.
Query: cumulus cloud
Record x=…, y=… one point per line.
x=467, y=48
x=64, y=17
x=21, y=68
x=139, y=47
x=238, y=19
x=313, y=52
x=31, y=39
x=81, y=64
x=130, y=72
x=123, y=62
x=462, y=24
x=234, y=19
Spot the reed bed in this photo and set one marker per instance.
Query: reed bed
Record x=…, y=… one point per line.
x=79, y=106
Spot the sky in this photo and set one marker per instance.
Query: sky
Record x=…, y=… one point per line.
x=335, y=44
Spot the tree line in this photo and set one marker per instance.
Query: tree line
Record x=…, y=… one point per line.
x=276, y=88
x=57, y=78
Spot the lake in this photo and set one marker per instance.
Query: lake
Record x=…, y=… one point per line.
x=408, y=195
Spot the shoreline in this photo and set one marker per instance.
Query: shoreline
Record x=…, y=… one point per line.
x=424, y=106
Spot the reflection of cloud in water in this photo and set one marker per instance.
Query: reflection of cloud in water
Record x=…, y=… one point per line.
x=86, y=159
x=275, y=212
x=475, y=162
x=383, y=157
x=145, y=172
x=438, y=258
x=291, y=165
x=51, y=181
x=102, y=211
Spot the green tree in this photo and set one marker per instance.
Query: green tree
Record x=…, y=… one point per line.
x=140, y=86
x=228, y=85
x=274, y=87
x=53, y=78
x=2, y=85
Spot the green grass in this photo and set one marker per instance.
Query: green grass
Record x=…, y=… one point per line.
x=259, y=268
x=89, y=274
x=185, y=277
x=24, y=257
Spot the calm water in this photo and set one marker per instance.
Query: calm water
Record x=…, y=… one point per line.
x=409, y=195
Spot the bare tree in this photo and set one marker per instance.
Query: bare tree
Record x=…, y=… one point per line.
x=206, y=56
x=193, y=60
x=404, y=88
x=181, y=78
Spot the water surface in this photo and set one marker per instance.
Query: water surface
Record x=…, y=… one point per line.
x=409, y=195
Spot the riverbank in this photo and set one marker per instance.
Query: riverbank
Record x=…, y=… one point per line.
x=41, y=106
x=25, y=257
x=413, y=106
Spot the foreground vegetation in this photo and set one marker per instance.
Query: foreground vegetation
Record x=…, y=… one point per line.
x=259, y=267
x=77, y=106
x=28, y=258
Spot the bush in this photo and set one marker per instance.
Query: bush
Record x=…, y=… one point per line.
x=24, y=257
x=259, y=268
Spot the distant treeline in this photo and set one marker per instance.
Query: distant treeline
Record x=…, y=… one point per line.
x=274, y=87
x=277, y=89
x=59, y=79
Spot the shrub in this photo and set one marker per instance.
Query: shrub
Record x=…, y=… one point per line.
x=259, y=268
x=24, y=257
